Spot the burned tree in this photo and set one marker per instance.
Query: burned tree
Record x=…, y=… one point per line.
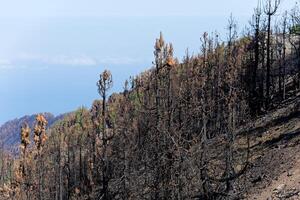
x=104, y=84
x=270, y=10
x=40, y=138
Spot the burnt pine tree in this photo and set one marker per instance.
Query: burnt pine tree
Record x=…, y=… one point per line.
x=104, y=84
x=253, y=94
x=270, y=10
x=294, y=38
x=283, y=60
x=25, y=141
x=40, y=138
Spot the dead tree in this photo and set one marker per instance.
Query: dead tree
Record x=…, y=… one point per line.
x=104, y=84
x=294, y=37
x=283, y=58
x=253, y=92
x=40, y=138
x=25, y=141
x=270, y=10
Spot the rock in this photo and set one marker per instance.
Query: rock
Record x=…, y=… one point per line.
x=257, y=179
x=290, y=173
x=291, y=193
x=281, y=192
x=280, y=188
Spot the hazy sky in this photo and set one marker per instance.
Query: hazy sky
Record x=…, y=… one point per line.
x=96, y=8
x=51, y=51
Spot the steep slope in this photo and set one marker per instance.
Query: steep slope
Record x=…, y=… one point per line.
x=275, y=166
x=287, y=185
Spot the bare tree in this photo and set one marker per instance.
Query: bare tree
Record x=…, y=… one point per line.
x=283, y=58
x=104, y=84
x=270, y=9
x=294, y=36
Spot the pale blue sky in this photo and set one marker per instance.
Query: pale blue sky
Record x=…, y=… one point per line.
x=51, y=51
x=96, y=8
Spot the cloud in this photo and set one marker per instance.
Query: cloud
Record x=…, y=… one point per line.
x=119, y=60
x=71, y=61
x=76, y=60
x=5, y=67
x=5, y=62
x=18, y=67
x=36, y=61
x=81, y=60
